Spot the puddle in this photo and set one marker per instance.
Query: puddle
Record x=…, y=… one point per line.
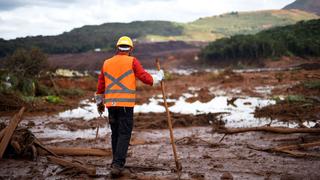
x=86, y=110
x=65, y=135
x=264, y=90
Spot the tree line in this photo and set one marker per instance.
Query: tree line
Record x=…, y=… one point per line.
x=90, y=37
x=301, y=39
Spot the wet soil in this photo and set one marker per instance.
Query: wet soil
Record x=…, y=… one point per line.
x=159, y=120
x=299, y=112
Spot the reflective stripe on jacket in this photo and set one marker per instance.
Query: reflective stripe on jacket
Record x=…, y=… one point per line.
x=120, y=81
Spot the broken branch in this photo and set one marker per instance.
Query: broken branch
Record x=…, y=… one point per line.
x=9, y=131
x=280, y=130
x=66, y=163
x=38, y=143
x=298, y=146
x=71, y=151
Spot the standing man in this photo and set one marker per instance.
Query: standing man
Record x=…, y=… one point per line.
x=117, y=92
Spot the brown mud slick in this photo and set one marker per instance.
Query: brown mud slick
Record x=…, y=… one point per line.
x=203, y=152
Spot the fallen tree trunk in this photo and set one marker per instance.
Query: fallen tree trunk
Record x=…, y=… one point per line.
x=80, y=167
x=288, y=149
x=298, y=146
x=78, y=151
x=9, y=131
x=280, y=130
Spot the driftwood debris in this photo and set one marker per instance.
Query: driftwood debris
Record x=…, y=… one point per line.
x=77, y=165
x=9, y=131
x=290, y=149
x=280, y=130
x=76, y=151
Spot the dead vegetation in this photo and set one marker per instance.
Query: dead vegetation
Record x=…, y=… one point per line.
x=21, y=143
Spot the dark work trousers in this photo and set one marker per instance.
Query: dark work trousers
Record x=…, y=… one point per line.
x=121, y=122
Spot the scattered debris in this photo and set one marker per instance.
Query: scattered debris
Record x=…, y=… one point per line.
x=91, y=171
x=24, y=144
x=231, y=101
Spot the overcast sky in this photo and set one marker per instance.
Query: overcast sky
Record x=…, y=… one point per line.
x=20, y=18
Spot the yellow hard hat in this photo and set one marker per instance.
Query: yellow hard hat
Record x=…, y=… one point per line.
x=125, y=40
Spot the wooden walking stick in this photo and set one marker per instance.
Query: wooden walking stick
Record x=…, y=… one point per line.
x=178, y=165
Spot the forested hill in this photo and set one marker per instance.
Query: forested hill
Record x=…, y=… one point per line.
x=104, y=36
x=90, y=37
x=312, y=6
x=301, y=39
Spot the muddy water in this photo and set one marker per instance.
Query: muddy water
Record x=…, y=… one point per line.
x=238, y=115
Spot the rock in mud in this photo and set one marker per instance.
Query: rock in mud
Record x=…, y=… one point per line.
x=226, y=176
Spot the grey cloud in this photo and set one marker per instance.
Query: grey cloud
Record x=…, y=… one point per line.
x=6, y=5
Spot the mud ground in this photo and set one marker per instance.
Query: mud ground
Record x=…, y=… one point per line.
x=201, y=153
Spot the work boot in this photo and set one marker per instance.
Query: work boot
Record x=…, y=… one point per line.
x=115, y=171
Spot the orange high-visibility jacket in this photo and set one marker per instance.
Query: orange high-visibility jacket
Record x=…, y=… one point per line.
x=120, y=81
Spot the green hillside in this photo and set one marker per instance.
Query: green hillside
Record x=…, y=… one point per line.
x=301, y=39
x=204, y=29
x=212, y=28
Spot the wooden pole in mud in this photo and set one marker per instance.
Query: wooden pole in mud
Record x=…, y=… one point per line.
x=97, y=132
x=178, y=165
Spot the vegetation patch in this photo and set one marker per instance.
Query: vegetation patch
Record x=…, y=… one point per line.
x=312, y=84
x=301, y=39
x=53, y=99
x=71, y=92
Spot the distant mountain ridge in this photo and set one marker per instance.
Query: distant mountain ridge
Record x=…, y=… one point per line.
x=312, y=6
x=88, y=38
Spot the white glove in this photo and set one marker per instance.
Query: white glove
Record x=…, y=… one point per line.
x=99, y=98
x=157, y=78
